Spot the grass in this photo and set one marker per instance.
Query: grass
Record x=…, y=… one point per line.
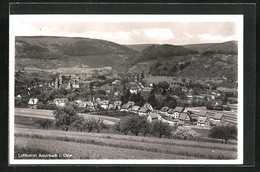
x=197, y=150
x=39, y=113
x=89, y=151
x=32, y=152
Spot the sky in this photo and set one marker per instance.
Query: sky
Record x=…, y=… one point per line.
x=177, y=33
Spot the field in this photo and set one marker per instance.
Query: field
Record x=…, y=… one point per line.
x=29, y=139
x=48, y=114
x=113, y=146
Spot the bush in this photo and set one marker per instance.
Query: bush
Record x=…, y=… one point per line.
x=44, y=124
x=184, y=133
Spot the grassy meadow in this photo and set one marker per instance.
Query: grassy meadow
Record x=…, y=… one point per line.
x=30, y=139
x=82, y=145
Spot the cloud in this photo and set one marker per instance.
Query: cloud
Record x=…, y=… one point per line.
x=216, y=38
x=107, y=35
x=159, y=33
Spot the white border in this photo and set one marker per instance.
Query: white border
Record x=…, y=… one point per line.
x=238, y=19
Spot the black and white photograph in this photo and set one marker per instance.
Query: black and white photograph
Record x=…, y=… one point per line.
x=126, y=89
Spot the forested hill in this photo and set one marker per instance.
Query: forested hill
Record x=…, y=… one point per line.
x=164, y=51
x=229, y=47
x=91, y=52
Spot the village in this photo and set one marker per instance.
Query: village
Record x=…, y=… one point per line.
x=176, y=103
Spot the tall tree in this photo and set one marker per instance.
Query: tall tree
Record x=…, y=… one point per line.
x=65, y=116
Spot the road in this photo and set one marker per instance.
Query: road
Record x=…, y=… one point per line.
x=48, y=114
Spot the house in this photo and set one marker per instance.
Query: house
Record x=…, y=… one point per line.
x=202, y=113
x=116, y=82
x=215, y=93
x=33, y=103
x=19, y=96
x=133, y=90
x=104, y=104
x=107, y=88
x=176, y=97
x=208, y=96
x=98, y=100
x=218, y=118
x=203, y=121
x=178, y=109
x=164, y=110
x=175, y=121
x=124, y=108
x=78, y=102
x=90, y=106
x=189, y=95
x=184, y=89
x=60, y=101
x=152, y=117
x=69, y=86
x=147, y=89
x=74, y=86
x=231, y=100
x=111, y=106
x=148, y=106
x=217, y=105
x=135, y=108
x=183, y=117
x=142, y=111
x=130, y=103
x=117, y=93
x=118, y=104
x=81, y=103
x=170, y=112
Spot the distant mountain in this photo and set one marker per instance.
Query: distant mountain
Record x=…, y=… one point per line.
x=164, y=51
x=229, y=47
x=69, y=51
x=138, y=47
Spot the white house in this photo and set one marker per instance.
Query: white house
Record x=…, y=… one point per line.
x=33, y=103
x=60, y=101
x=152, y=117
x=203, y=121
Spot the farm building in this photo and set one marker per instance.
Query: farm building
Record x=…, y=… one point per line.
x=183, y=117
x=133, y=90
x=217, y=118
x=203, y=121
x=81, y=103
x=148, y=106
x=124, y=108
x=111, y=106
x=90, y=106
x=116, y=82
x=104, y=104
x=19, y=96
x=60, y=101
x=147, y=89
x=184, y=89
x=152, y=117
x=118, y=104
x=202, y=113
x=217, y=105
x=170, y=112
x=164, y=110
x=33, y=103
x=142, y=111
x=178, y=109
x=135, y=109
x=130, y=103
